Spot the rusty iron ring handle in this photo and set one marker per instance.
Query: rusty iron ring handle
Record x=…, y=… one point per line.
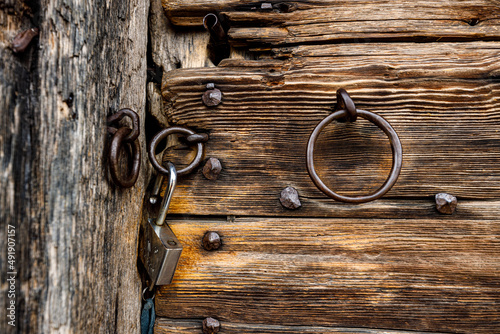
x=135, y=122
x=119, y=138
x=162, y=135
x=397, y=156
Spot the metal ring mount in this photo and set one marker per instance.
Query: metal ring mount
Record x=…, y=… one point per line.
x=135, y=122
x=397, y=155
x=119, y=138
x=344, y=102
x=162, y=135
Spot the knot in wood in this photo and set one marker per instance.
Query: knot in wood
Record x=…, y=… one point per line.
x=289, y=198
x=446, y=203
x=211, y=326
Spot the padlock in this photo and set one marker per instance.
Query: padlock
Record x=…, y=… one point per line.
x=160, y=249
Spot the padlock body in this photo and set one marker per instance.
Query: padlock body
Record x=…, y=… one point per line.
x=159, y=252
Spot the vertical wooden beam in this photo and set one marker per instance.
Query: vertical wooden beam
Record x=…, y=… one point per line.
x=19, y=224
x=77, y=241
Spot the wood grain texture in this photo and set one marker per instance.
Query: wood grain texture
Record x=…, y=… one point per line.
x=175, y=326
x=78, y=233
x=171, y=48
x=323, y=21
x=422, y=275
x=442, y=99
x=17, y=79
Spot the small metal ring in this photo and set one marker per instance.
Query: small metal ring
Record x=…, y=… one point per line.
x=397, y=156
x=135, y=122
x=116, y=144
x=144, y=291
x=162, y=135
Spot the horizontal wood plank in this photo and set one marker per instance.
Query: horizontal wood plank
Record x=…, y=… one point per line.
x=423, y=275
x=326, y=208
x=175, y=326
x=443, y=100
x=333, y=20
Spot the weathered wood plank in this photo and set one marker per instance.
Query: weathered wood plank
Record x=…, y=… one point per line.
x=422, y=275
x=363, y=32
x=171, y=48
x=77, y=241
x=326, y=208
x=333, y=20
x=442, y=99
x=191, y=12
x=18, y=164
x=175, y=326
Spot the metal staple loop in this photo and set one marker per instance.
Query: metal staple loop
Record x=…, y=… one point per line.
x=397, y=150
x=192, y=138
x=212, y=24
x=218, y=47
x=197, y=138
x=135, y=122
x=122, y=136
x=344, y=102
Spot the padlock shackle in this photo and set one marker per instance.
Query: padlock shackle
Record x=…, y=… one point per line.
x=172, y=182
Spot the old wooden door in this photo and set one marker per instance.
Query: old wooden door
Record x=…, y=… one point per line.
x=395, y=265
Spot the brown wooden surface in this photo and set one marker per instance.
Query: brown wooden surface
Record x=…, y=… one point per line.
x=441, y=99
x=176, y=326
x=395, y=263
x=76, y=233
x=333, y=20
x=426, y=275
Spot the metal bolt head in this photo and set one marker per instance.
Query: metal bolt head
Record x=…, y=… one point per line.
x=212, y=97
x=290, y=198
x=212, y=169
x=211, y=326
x=446, y=203
x=211, y=241
x=266, y=6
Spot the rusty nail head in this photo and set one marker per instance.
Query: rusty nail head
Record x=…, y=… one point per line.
x=212, y=169
x=211, y=241
x=211, y=326
x=212, y=97
x=446, y=203
x=23, y=39
x=289, y=198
